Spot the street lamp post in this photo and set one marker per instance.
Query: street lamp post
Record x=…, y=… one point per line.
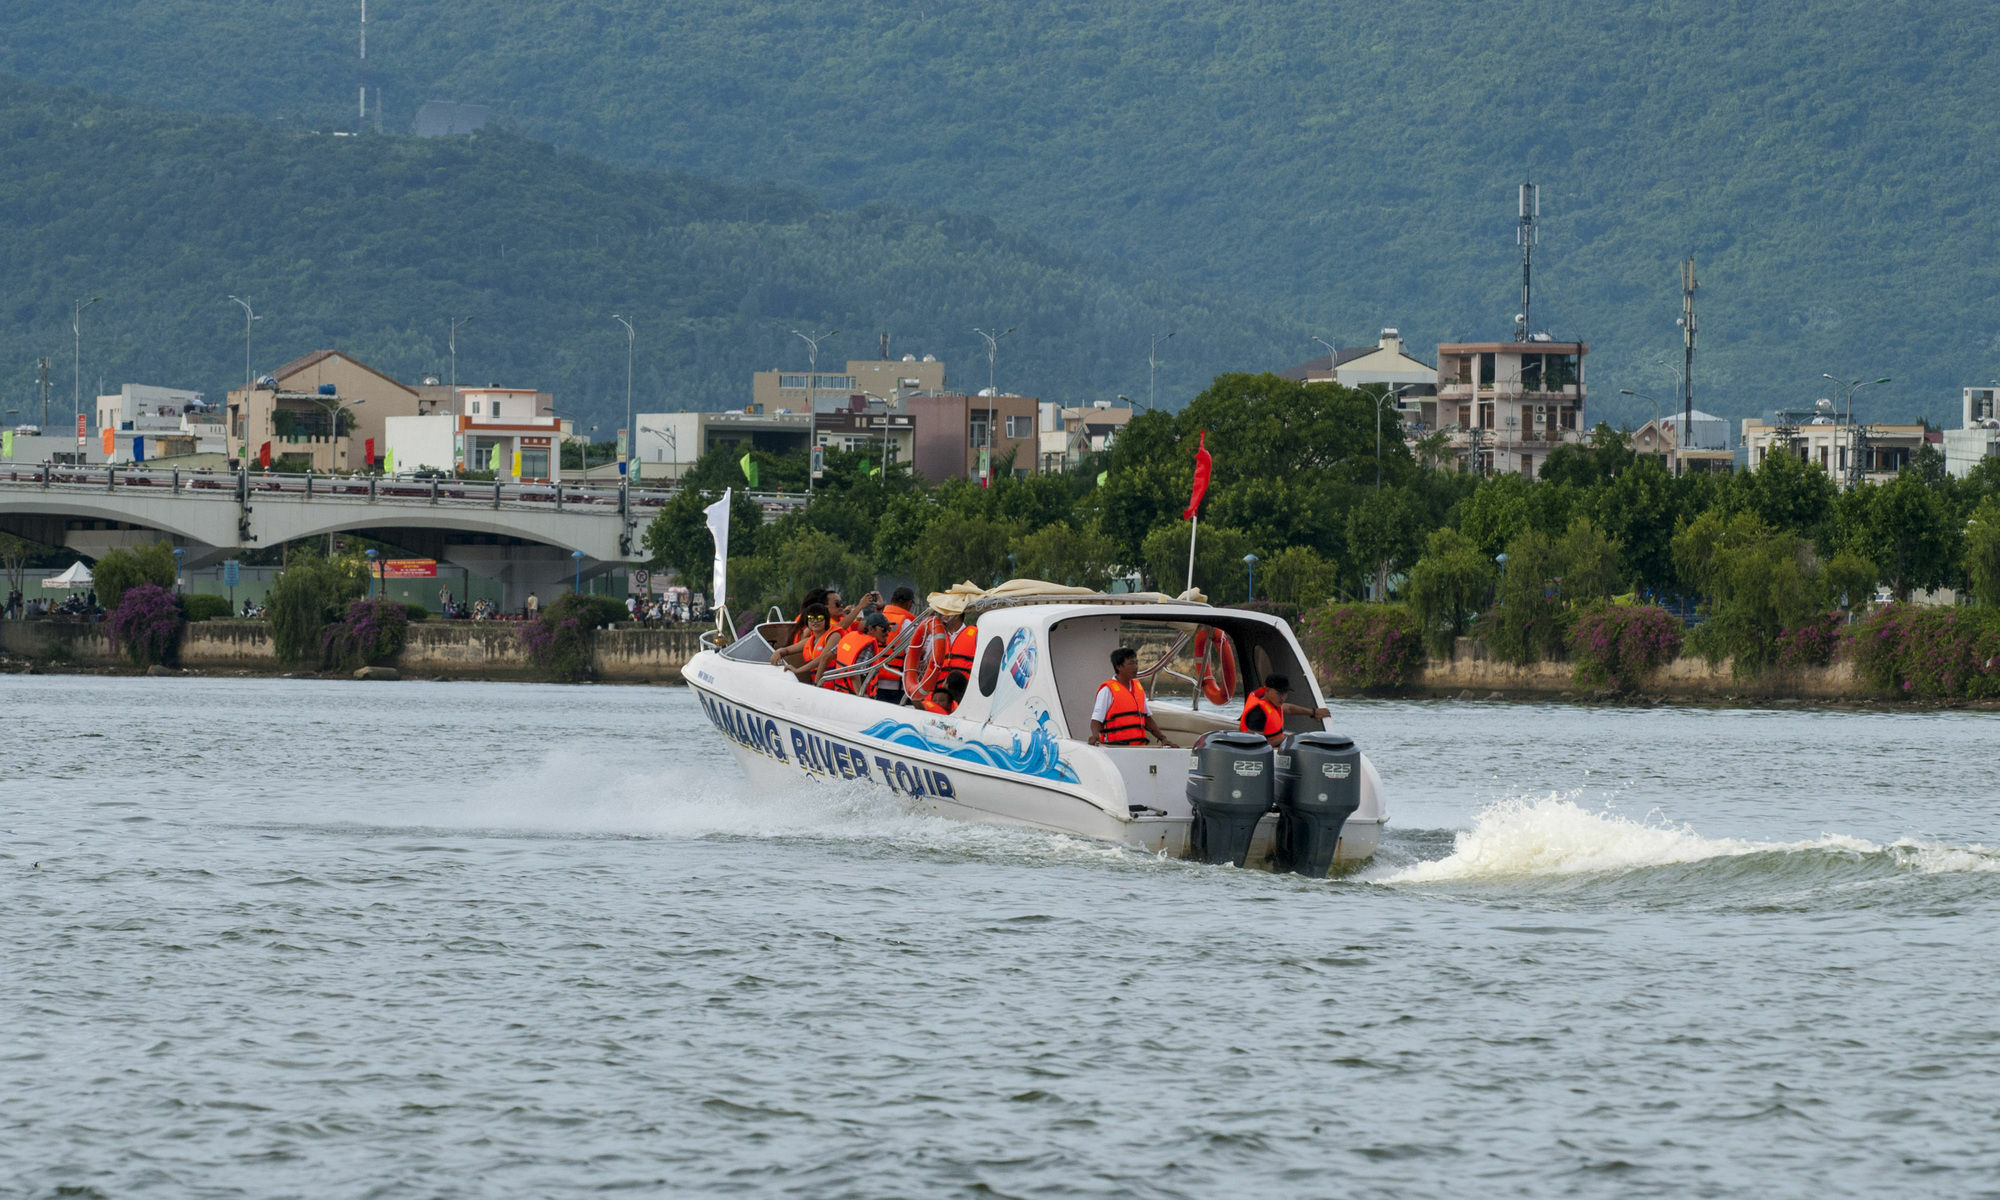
x=1854, y=444
x=631, y=432
x=578, y=556
x=180, y=555
x=1153, y=368
x=992, y=394
x=672, y=441
x=1332, y=357
x=1250, y=590
x=453, y=339
x=76, y=365
x=371, y=553
x=248, y=318
x=1386, y=395
x=812, y=341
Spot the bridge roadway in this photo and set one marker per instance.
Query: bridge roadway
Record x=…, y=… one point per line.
x=523, y=534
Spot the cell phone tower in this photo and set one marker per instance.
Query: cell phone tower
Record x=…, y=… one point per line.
x=1531, y=210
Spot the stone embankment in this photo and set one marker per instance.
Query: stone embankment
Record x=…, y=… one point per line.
x=1472, y=672
x=432, y=650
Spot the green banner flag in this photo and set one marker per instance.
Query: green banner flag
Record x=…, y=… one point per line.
x=874, y=470
x=389, y=463
x=749, y=466
x=1102, y=476
x=7, y=444
x=493, y=459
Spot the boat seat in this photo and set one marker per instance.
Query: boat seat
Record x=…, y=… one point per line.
x=1182, y=726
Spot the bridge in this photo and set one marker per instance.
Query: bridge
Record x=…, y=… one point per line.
x=525, y=535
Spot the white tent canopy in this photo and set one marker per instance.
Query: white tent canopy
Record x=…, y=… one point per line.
x=78, y=576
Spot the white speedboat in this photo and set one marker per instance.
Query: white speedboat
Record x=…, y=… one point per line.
x=1016, y=751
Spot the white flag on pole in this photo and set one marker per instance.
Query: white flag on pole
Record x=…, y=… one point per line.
x=718, y=525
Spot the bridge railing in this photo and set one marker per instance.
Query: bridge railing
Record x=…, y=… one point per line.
x=255, y=485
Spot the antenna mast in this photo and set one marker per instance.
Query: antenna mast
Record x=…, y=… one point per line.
x=43, y=363
x=1531, y=208
x=1687, y=378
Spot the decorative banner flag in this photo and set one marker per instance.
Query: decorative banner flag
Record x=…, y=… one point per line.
x=493, y=459
x=718, y=528
x=368, y=452
x=7, y=444
x=749, y=466
x=389, y=463
x=1102, y=476
x=80, y=419
x=1203, y=464
x=516, y=472
x=110, y=441
x=264, y=456
x=985, y=466
x=138, y=449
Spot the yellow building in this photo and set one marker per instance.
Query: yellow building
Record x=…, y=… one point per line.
x=323, y=408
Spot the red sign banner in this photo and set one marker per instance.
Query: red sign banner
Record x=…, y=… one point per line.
x=406, y=568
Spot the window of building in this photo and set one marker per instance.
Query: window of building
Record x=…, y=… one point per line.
x=1020, y=427
x=796, y=383
x=1486, y=369
x=977, y=428
x=475, y=407
x=1569, y=418
x=534, y=462
x=496, y=408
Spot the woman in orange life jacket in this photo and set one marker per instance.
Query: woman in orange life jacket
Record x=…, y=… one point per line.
x=855, y=646
x=795, y=640
x=810, y=645
x=1265, y=709
x=1121, y=716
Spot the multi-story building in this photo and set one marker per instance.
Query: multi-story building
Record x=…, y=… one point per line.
x=669, y=444
x=868, y=425
x=884, y=379
x=491, y=427
x=1386, y=363
x=1978, y=436
x=320, y=410
x=1822, y=436
x=1067, y=434
x=1706, y=447
x=1508, y=404
x=953, y=429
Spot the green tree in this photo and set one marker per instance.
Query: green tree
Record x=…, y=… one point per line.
x=1298, y=575
x=1219, y=570
x=1526, y=622
x=1448, y=587
x=955, y=548
x=1910, y=532
x=1760, y=583
x=1496, y=514
x=1589, y=563
x=308, y=595
x=1385, y=533
x=1982, y=551
x=1071, y=555
x=120, y=569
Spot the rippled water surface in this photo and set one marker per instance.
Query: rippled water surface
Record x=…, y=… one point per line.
x=287, y=938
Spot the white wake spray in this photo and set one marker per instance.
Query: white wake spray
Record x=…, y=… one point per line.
x=1554, y=836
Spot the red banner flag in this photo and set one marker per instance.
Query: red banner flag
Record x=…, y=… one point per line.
x=368, y=452
x=1202, y=465
x=264, y=456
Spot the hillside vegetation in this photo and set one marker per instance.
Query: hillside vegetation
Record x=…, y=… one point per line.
x=1830, y=162
x=373, y=244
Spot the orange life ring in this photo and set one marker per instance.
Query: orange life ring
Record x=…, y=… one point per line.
x=1217, y=655
x=917, y=663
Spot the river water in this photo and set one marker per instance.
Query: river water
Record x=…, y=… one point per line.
x=291, y=938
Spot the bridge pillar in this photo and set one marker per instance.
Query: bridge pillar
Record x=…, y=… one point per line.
x=544, y=570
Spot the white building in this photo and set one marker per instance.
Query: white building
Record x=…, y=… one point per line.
x=1385, y=363
x=1978, y=436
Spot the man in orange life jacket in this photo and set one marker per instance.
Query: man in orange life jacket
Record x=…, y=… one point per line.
x=1265, y=709
x=946, y=692
x=810, y=643
x=857, y=645
x=1121, y=716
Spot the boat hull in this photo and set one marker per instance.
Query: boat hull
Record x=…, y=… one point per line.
x=935, y=767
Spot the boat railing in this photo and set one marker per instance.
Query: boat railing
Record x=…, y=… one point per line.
x=897, y=645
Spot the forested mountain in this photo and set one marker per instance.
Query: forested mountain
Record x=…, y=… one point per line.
x=373, y=245
x=1830, y=163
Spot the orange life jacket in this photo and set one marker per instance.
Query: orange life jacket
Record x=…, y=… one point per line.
x=896, y=614
x=1125, y=720
x=933, y=706
x=958, y=652
x=854, y=646
x=1274, y=717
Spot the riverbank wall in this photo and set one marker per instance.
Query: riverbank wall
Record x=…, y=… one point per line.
x=1471, y=672
x=432, y=650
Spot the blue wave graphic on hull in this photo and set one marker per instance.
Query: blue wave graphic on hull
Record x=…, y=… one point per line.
x=1039, y=757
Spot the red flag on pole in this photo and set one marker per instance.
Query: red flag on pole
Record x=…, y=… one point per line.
x=1202, y=466
x=368, y=453
x=264, y=456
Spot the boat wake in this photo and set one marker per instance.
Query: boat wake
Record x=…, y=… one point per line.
x=1555, y=838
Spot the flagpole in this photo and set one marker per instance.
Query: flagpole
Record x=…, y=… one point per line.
x=1192, y=534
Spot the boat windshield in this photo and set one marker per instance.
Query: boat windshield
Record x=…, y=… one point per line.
x=1196, y=673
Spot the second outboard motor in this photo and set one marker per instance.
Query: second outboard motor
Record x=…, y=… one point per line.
x=1229, y=785
x=1319, y=787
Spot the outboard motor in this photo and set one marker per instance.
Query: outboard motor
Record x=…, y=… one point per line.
x=1319, y=787
x=1229, y=785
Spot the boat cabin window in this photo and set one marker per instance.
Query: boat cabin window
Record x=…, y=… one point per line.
x=1192, y=688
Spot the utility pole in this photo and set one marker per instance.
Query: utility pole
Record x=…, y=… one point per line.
x=76, y=369
x=1687, y=376
x=43, y=364
x=1153, y=368
x=992, y=394
x=631, y=430
x=812, y=341
x=248, y=318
